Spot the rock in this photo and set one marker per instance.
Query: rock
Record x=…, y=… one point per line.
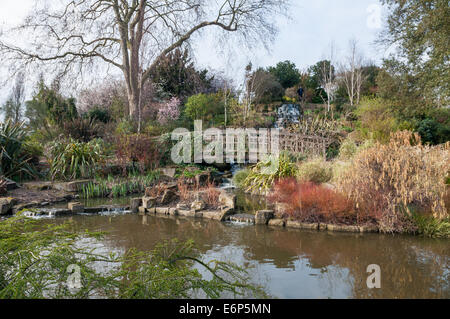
x=198, y=205
x=219, y=215
x=169, y=196
x=227, y=199
x=277, y=222
x=343, y=228
x=182, y=206
x=134, y=205
x=162, y=210
x=173, y=212
x=226, y=212
x=10, y=184
x=73, y=187
x=262, y=217
x=18, y=208
x=6, y=205
x=38, y=186
x=280, y=210
x=213, y=214
x=186, y=213
x=369, y=229
x=148, y=202
x=169, y=172
x=142, y=210
x=76, y=207
x=323, y=226
x=299, y=225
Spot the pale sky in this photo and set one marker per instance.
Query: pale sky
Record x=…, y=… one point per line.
x=303, y=40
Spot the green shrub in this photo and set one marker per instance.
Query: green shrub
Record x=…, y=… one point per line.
x=239, y=178
x=431, y=227
x=347, y=150
x=15, y=156
x=268, y=171
x=316, y=170
x=125, y=127
x=99, y=114
x=376, y=119
x=70, y=159
x=82, y=129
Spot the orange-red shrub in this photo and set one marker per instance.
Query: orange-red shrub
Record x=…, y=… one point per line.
x=212, y=194
x=138, y=149
x=309, y=202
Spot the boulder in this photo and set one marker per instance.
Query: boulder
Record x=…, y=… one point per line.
x=226, y=213
x=228, y=200
x=76, y=207
x=277, y=222
x=18, y=208
x=134, y=205
x=198, y=205
x=300, y=225
x=262, y=217
x=72, y=187
x=213, y=214
x=10, y=184
x=169, y=172
x=182, y=206
x=186, y=213
x=280, y=210
x=6, y=205
x=343, y=228
x=148, y=202
x=369, y=229
x=169, y=196
x=162, y=210
x=173, y=212
x=38, y=186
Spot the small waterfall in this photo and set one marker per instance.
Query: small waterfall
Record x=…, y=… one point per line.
x=288, y=114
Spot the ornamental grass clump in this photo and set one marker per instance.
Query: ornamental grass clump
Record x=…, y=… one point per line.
x=316, y=170
x=388, y=181
x=263, y=176
x=16, y=160
x=312, y=203
x=71, y=159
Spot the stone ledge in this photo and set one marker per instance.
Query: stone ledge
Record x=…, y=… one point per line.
x=299, y=225
x=277, y=222
x=343, y=228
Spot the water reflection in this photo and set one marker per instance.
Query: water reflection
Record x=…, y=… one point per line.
x=294, y=263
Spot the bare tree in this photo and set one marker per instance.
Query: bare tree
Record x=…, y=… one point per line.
x=13, y=108
x=328, y=77
x=351, y=72
x=131, y=35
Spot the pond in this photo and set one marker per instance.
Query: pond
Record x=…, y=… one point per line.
x=295, y=263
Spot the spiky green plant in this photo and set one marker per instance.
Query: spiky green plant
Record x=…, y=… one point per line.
x=14, y=158
x=268, y=171
x=70, y=159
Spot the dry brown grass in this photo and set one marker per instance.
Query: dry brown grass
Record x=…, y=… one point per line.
x=184, y=192
x=387, y=180
x=212, y=195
